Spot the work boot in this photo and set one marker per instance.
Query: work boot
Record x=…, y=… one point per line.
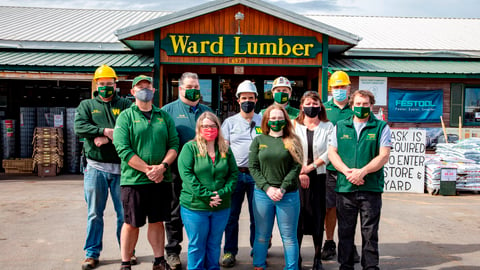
x=89, y=263
x=174, y=261
x=329, y=250
x=228, y=260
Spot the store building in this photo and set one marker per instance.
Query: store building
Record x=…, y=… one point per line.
x=419, y=68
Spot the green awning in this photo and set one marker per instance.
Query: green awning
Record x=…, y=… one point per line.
x=407, y=68
x=74, y=61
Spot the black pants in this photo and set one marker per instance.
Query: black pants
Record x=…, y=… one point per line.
x=349, y=205
x=312, y=211
x=174, y=227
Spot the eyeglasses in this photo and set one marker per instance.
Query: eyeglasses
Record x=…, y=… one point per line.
x=106, y=84
x=208, y=126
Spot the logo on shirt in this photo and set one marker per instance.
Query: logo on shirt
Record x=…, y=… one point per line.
x=96, y=111
x=182, y=116
x=136, y=121
x=345, y=137
x=262, y=146
x=371, y=137
x=160, y=120
x=115, y=111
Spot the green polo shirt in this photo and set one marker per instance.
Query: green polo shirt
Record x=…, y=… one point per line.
x=201, y=177
x=185, y=118
x=335, y=114
x=150, y=139
x=291, y=111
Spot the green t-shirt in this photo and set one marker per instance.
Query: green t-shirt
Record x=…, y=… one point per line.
x=271, y=164
x=291, y=111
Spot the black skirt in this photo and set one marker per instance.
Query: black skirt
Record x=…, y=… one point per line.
x=312, y=205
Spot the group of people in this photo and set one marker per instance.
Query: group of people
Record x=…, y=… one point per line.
x=178, y=166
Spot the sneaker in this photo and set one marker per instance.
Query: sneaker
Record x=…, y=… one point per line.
x=174, y=262
x=329, y=250
x=162, y=266
x=89, y=263
x=356, y=257
x=228, y=260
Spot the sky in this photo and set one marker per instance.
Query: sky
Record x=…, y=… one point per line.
x=404, y=8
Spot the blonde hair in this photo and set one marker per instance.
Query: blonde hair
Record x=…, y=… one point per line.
x=290, y=140
x=202, y=143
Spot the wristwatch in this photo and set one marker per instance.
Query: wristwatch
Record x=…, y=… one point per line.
x=314, y=165
x=165, y=165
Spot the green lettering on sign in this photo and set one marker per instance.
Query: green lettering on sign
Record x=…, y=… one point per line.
x=241, y=46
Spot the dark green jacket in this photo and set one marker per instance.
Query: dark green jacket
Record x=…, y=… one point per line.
x=201, y=178
x=335, y=114
x=149, y=139
x=271, y=164
x=91, y=118
x=358, y=153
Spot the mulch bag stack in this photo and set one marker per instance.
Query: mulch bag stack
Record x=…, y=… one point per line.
x=464, y=156
x=48, y=150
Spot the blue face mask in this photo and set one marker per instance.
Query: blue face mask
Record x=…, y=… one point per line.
x=339, y=94
x=144, y=95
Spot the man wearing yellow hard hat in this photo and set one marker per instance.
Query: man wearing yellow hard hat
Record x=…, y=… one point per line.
x=94, y=121
x=337, y=109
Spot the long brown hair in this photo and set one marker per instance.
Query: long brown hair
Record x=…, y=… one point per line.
x=322, y=115
x=202, y=143
x=290, y=140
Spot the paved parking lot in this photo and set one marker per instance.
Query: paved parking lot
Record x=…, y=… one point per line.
x=43, y=221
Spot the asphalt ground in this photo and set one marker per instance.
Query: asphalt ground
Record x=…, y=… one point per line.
x=43, y=221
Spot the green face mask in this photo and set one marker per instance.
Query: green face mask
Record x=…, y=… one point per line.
x=105, y=91
x=192, y=94
x=280, y=97
x=277, y=125
x=361, y=112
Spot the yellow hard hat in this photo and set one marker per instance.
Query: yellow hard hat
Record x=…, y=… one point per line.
x=339, y=78
x=104, y=71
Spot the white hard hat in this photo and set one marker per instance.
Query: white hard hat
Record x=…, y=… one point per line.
x=246, y=86
x=281, y=81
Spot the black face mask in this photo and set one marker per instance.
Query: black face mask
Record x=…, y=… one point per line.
x=247, y=106
x=311, y=111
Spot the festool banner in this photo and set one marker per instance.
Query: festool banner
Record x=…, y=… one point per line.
x=241, y=46
x=415, y=105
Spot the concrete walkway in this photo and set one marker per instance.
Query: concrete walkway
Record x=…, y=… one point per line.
x=43, y=221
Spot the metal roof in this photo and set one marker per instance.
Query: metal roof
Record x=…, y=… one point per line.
x=211, y=6
x=27, y=27
x=425, y=36
x=73, y=61
x=417, y=68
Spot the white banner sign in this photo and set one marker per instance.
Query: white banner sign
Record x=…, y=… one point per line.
x=378, y=86
x=405, y=170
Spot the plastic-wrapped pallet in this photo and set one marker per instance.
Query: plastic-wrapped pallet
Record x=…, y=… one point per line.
x=28, y=118
x=8, y=138
x=73, y=150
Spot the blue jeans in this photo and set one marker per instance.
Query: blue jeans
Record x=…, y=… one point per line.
x=349, y=206
x=204, y=231
x=287, y=211
x=96, y=184
x=245, y=184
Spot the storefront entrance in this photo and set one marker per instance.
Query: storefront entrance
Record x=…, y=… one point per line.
x=218, y=91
